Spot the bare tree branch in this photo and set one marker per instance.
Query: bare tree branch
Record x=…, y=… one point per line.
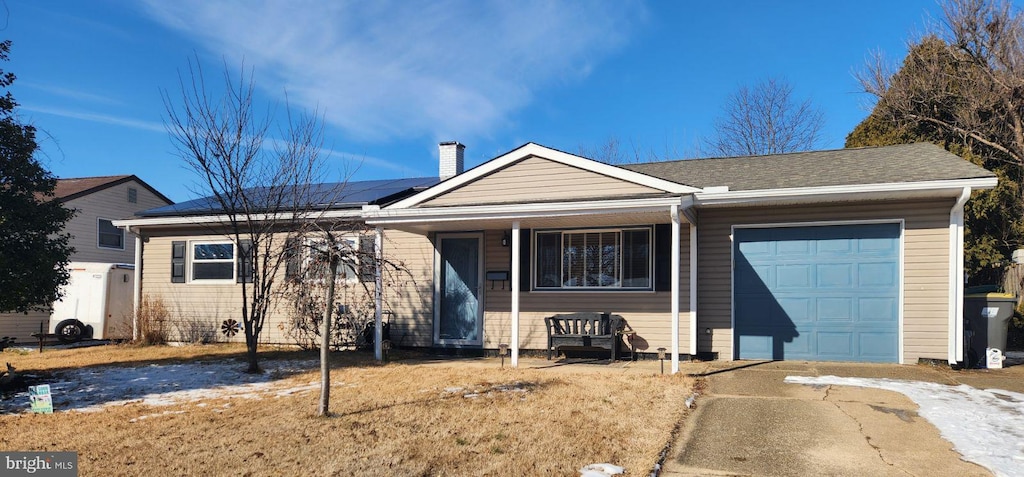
x=766, y=119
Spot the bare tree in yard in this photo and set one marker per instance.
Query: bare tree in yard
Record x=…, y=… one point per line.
x=332, y=269
x=766, y=119
x=962, y=85
x=261, y=185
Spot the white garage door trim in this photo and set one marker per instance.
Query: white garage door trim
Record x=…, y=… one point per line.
x=732, y=267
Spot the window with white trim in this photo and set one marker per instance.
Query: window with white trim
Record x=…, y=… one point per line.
x=593, y=259
x=316, y=260
x=109, y=236
x=212, y=261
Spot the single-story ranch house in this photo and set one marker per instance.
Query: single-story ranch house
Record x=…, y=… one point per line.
x=842, y=255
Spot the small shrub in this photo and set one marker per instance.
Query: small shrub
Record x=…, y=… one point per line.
x=195, y=330
x=153, y=318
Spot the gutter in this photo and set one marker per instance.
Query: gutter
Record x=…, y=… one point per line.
x=389, y=216
x=856, y=191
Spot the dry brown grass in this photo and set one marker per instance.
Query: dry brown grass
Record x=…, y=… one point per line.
x=409, y=417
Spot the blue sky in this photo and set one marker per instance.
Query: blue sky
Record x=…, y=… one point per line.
x=393, y=78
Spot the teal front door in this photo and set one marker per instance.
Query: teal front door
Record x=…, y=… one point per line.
x=458, y=312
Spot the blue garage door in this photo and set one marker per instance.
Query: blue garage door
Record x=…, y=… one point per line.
x=817, y=293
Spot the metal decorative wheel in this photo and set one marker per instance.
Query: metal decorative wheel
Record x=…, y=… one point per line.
x=230, y=327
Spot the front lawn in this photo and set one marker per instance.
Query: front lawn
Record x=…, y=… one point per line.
x=189, y=410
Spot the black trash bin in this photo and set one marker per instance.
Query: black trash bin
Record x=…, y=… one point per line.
x=986, y=319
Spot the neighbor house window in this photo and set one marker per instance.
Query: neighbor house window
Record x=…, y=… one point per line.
x=133, y=195
x=109, y=236
x=213, y=261
x=596, y=259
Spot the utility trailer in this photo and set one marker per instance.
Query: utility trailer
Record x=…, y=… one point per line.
x=97, y=303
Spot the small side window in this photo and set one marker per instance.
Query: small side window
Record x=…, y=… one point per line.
x=133, y=195
x=109, y=236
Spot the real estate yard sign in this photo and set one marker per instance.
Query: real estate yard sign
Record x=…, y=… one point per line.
x=39, y=395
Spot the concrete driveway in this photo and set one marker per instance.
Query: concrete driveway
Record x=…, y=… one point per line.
x=749, y=422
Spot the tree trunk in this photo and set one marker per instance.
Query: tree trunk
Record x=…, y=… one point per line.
x=325, y=342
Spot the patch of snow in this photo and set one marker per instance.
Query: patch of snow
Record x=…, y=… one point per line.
x=147, y=416
x=601, y=470
x=92, y=389
x=985, y=426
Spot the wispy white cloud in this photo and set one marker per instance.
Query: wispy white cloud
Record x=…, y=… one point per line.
x=69, y=93
x=97, y=118
x=387, y=69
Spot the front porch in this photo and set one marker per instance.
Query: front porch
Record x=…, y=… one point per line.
x=489, y=287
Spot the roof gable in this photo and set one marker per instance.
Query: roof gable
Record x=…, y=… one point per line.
x=589, y=178
x=75, y=187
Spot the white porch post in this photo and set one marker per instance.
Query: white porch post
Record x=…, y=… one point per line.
x=956, y=279
x=675, y=288
x=515, y=294
x=137, y=293
x=693, y=288
x=378, y=326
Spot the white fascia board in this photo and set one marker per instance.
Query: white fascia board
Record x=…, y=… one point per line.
x=389, y=216
x=813, y=194
x=225, y=219
x=532, y=149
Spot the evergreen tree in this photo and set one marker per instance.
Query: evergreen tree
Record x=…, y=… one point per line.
x=34, y=252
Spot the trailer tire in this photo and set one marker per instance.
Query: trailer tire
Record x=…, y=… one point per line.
x=70, y=331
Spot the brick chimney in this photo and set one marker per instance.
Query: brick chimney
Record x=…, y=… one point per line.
x=451, y=154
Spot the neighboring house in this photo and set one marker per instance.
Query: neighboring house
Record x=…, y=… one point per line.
x=844, y=255
x=97, y=201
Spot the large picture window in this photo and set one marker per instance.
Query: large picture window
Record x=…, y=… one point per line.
x=596, y=259
x=213, y=261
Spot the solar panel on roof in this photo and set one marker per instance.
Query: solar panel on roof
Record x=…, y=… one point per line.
x=334, y=195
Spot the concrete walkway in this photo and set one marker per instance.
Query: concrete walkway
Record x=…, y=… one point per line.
x=748, y=422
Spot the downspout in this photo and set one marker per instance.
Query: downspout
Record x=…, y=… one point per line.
x=675, y=288
x=693, y=288
x=956, y=277
x=690, y=213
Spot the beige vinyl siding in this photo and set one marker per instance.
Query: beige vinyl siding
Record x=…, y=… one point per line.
x=200, y=306
x=193, y=307
x=410, y=293
x=20, y=326
x=647, y=312
x=538, y=180
x=112, y=204
x=925, y=267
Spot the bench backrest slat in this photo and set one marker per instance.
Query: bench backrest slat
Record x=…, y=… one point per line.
x=584, y=323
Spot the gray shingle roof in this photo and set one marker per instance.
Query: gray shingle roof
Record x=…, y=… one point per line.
x=868, y=165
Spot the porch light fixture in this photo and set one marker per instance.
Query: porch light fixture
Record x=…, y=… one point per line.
x=506, y=239
x=661, y=357
x=502, y=351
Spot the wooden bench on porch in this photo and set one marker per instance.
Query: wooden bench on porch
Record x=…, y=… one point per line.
x=587, y=330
